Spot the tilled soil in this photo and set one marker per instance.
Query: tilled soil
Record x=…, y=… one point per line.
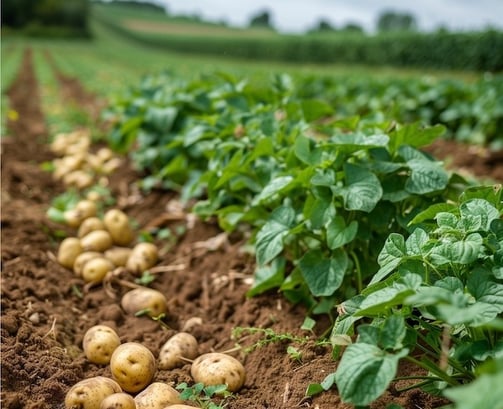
x=46, y=309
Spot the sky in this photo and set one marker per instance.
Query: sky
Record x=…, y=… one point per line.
x=300, y=15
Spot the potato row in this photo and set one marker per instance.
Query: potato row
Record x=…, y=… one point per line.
x=100, y=245
x=78, y=167
x=133, y=367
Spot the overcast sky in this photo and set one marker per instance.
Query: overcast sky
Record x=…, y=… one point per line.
x=299, y=15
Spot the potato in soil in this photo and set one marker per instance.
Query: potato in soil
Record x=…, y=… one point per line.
x=146, y=299
x=143, y=257
x=68, y=251
x=157, y=395
x=99, y=344
x=117, y=224
x=97, y=240
x=133, y=366
x=82, y=259
x=181, y=345
x=215, y=369
x=119, y=400
x=90, y=392
x=95, y=270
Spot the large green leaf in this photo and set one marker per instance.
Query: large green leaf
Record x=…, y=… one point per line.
x=483, y=392
x=339, y=234
x=323, y=275
x=363, y=189
x=364, y=373
x=270, y=237
x=425, y=177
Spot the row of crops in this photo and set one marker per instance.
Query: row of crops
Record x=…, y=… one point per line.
x=345, y=212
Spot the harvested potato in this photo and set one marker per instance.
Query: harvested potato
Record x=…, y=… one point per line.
x=118, y=255
x=89, y=393
x=97, y=240
x=95, y=270
x=133, y=366
x=82, y=259
x=73, y=218
x=104, y=153
x=87, y=208
x=215, y=369
x=119, y=400
x=117, y=224
x=179, y=345
x=143, y=256
x=157, y=395
x=144, y=299
x=90, y=224
x=111, y=165
x=78, y=178
x=99, y=343
x=68, y=251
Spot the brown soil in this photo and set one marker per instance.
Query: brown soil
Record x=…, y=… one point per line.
x=44, y=318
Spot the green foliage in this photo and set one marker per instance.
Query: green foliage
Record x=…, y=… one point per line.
x=268, y=336
x=441, y=287
x=476, y=51
x=202, y=395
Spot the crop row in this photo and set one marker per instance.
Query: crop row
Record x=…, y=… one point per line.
x=338, y=208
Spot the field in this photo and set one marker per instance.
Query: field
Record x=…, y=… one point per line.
x=337, y=229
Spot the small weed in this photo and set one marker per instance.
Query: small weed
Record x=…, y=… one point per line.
x=146, y=278
x=203, y=395
x=269, y=336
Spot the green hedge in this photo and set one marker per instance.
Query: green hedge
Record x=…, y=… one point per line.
x=475, y=51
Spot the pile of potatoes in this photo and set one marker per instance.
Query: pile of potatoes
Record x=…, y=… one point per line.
x=133, y=368
x=77, y=166
x=102, y=244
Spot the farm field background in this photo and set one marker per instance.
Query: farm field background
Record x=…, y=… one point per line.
x=290, y=203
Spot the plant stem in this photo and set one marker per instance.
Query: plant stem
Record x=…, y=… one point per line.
x=432, y=368
x=359, y=281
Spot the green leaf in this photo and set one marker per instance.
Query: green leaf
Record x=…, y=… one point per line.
x=482, y=208
x=415, y=135
x=315, y=108
x=273, y=187
x=338, y=234
x=467, y=250
x=394, y=249
x=415, y=242
x=365, y=372
x=483, y=392
x=358, y=141
x=426, y=177
x=323, y=275
x=161, y=119
x=268, y=277
x=305, y=150
x=269, y=242
x=431, y=212
x=392, y=333
x=363, y=190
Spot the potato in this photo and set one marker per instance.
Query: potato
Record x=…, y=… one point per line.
x=111, y=165
x=179, y=345
x=68, y=251
x=143, y=256
x=90, y=224
x=104, y=153
x=82, y=259
x=157, y=396
x=118, y=255
x=133, y=366
x=87, y=208
x=97, y=240
x=117, y=224
x=99, y=343
x=78, y=178
x=119, y=400
x=73, y=218
x=215, y=368
x=95, y=270
x=89, y=393
x=144, y=298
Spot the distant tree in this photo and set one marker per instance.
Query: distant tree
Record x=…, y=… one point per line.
x=395, y=21
x=325, y=25
x=261, y=19
x=353, y=28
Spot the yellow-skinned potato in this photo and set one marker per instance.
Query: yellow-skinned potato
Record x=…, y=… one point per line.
x=87, y=208
x=157, y=395
x=215, y=369
x=68, y=251
x=78, y=178
x=119, y=400
x=73, y=218
x=104, y=153
x=82, y=259
x=110, y=165
x=143, y=257
x=144, y=298
x=95, y=270
x=117, y=224
x=179, y=345
x=118, y=255
x=97, y=240
x=99, y=344
x=133, y=366
x=90, y=224
x=89, y=393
